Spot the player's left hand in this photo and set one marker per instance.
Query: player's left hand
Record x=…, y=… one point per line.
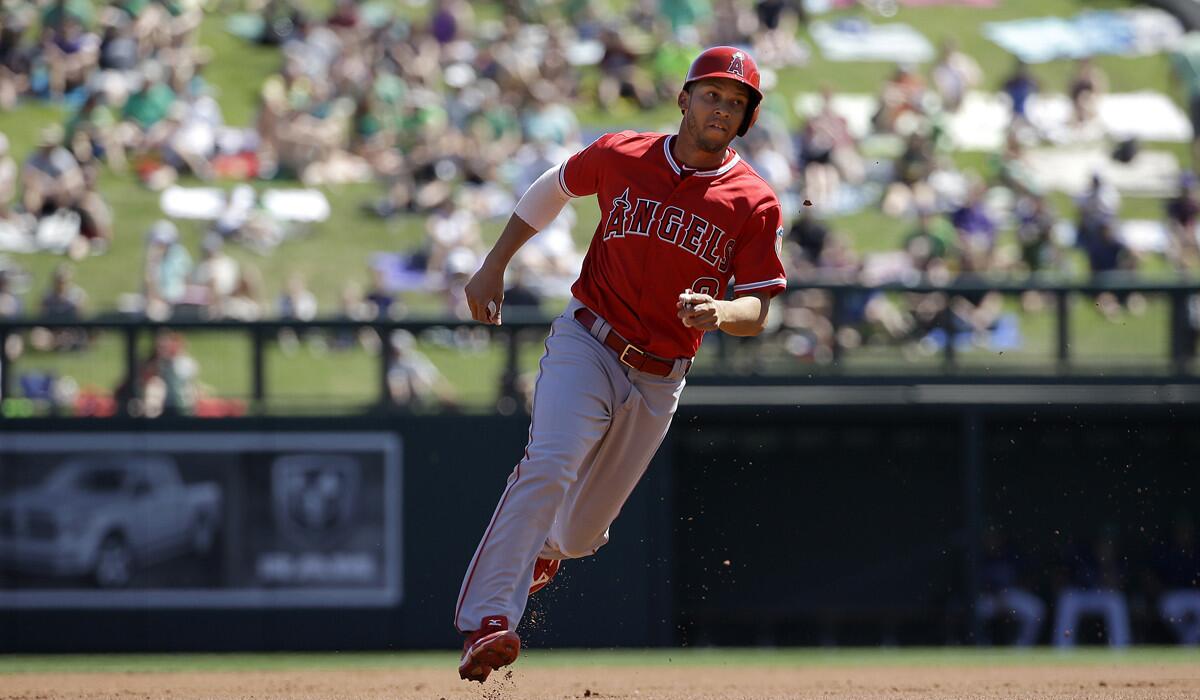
x=699, y=311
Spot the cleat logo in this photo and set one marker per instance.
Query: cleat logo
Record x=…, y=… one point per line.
x=735, y=64
x=493, y=623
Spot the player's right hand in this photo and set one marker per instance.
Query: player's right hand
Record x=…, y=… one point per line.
x=485, y=295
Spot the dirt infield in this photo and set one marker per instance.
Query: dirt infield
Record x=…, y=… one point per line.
x=633, y=683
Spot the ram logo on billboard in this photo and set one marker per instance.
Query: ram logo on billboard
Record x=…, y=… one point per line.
x=200, y=519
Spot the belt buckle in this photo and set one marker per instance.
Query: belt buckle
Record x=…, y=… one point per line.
x=627, y=363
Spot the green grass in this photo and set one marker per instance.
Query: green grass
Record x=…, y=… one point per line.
x=538, y=658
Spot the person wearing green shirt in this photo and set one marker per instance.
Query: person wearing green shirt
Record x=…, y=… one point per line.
x=149, y=105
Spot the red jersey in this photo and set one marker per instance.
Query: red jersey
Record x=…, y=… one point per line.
x=663, y=230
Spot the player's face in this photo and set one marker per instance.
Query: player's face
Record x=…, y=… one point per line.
x=713, y=110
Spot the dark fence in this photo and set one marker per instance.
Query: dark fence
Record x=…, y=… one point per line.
x=1175, y=365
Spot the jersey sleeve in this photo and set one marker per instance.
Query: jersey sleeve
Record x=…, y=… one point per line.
x=757, y=263
x=579, y=176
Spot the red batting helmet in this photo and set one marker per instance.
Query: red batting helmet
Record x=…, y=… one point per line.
x=735, y=64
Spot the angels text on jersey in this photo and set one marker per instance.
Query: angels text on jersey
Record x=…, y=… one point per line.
x=641, y=216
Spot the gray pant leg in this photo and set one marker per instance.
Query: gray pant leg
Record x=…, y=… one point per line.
x=573, y=404
x=606, y=479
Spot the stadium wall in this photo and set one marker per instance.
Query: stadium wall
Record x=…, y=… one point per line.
x=818, y=524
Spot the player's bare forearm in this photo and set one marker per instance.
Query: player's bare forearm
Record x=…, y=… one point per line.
x=516, y=233
x=485, y=291
x=743, y=316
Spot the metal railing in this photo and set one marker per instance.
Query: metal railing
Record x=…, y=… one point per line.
x=1181, y=334
x=1180, y=331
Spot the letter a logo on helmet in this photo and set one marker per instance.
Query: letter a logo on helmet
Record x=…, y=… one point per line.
x=732, y=64
x=735, y=65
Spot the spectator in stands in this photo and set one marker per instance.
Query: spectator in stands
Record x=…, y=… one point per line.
x=901, y=103
x=167, y=269
x=1012, y=168
x=1019, y=87
x=119, y=49
x=63, y=301
x=621, y=75
x=353, y=307
x=828, y=153
x=184, y=142
x=71, y=54
x=413, y=381
x=775, y=43
x=1097, y=235
x=1036, y=220
x=381, y=302
x=1040, y=252
x=975, y=227
x=932, y=245
x=1177, y=581
x=733, y=23
x=50, y=178
x=92, y=131
x=1004, y=591
x=16, y=58
x=1108, y=254
x=169, y=378
x=245, y=302
x=151, y=98
x=805, y=243
x=8, y=180
x=1092, y=585
x=95, y=216
x=769, y=150
x=1085, y=88
x=11, y=305
x=217, y=274
x=1097, y=207
x=954, y=74
x=974, y=314
x=1183, y=225
x=909, y=190
x=295, y=303
x=345, y=18
x=447, y=229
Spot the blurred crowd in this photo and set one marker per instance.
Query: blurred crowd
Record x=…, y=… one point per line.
x=964, y=225
x=454, y=114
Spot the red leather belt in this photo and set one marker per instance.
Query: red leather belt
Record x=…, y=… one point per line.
x=630, y=355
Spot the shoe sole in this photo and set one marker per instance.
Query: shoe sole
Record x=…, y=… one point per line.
x=489, y=653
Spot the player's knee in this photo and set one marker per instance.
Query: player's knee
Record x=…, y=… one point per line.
x=576, y=545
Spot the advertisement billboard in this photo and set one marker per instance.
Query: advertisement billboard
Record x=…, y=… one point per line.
x=200, y=519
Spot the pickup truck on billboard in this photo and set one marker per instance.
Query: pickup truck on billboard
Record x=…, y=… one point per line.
x=103, y=516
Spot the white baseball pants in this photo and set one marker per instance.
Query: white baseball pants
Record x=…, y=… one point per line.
x=595, y=426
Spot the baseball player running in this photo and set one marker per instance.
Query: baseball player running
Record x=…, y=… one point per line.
x=682, y=216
